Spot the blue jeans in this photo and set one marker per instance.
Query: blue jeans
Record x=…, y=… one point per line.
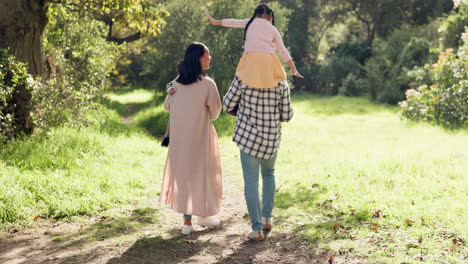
x=186, y=216
x=250, y=169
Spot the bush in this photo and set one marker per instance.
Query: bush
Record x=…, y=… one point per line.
x=15, y=84
x=341, y=73
x=335, y=71
x=80, y=61
x=386, y=70
x=352, y=85
x=444, y=101
x=312, y=80
x=357, y=50
x=454, y=26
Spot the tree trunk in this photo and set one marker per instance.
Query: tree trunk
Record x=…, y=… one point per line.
x=22, y=24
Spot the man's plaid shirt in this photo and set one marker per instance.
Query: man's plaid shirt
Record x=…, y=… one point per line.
x=259, y=117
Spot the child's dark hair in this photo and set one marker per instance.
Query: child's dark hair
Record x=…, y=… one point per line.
x=261, y=9
x=189, y=68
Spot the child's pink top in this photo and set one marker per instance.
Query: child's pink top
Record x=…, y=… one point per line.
x=261, y=36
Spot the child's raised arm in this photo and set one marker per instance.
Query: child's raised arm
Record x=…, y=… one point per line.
x=238, y=23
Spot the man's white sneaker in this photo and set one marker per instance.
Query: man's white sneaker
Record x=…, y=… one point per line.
x=256, y=235
x=186, y=229
x=208, y=221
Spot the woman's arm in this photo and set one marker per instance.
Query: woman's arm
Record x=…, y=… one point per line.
x=212, y=101
x=230, y=22
x=167, y=104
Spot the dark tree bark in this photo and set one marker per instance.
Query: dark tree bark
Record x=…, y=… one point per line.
x=22, y=24
x=119, y=41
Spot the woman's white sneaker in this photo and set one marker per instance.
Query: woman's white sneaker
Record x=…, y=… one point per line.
x=187, y=229
x=208, y=221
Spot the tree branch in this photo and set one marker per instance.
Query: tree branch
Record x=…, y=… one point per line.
x=130, y=38
x=359, y=16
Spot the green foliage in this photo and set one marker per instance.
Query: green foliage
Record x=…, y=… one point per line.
x=352, y=85
x=404, y=49
x=70, y=171
x=361, y=159
x=385, y=16
x=454, y=26
x=129, y=16
x=342, y=72
x=335, y=71
x=13, y=77
x=444, y=99
x=357, y=50
x=80, y=60
x=155, y=64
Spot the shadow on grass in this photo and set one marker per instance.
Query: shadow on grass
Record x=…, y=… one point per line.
x=318, y=219
x=175, y=249
x=110, y=227
x=153, y=123
x=127, y=110
x=129, y=89
x=302, y=196
x=106, y=229
x=120, y=108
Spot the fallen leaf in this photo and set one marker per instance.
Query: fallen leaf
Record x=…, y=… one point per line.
x=330, y=260
x=421, y=257
x=409, y=222
x=337, y=226
x=377, y=213
x=411, y=245
x=458, y=240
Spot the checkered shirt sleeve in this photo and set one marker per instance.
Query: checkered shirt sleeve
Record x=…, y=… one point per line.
x=259, y=117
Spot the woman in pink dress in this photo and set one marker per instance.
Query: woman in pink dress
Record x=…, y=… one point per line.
x=192, y=183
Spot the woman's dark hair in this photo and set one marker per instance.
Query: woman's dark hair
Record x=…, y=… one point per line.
x=189, y=68
x=261, y=9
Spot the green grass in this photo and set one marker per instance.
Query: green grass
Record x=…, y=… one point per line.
x=71, y=171
x=341, y=161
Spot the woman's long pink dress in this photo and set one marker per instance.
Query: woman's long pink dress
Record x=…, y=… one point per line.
x=192, y=181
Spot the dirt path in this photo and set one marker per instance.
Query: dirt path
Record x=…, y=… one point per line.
x=158, y=241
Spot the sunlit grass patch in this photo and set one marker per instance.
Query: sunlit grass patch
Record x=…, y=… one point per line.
x=71, y=171
x=134, y=96
x=387, y=183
